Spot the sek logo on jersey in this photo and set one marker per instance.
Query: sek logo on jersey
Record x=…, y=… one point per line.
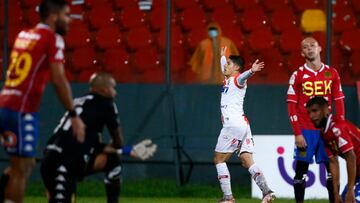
x=311, y=88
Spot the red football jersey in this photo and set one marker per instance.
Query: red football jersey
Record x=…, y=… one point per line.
x=340, y=136
x=29, y=65
x=306, y=83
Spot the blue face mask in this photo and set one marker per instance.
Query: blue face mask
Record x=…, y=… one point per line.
x=213, y=33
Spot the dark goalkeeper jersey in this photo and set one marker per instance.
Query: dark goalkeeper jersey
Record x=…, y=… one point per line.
x=96, y=112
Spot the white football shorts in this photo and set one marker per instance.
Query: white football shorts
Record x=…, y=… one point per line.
x=235, y=139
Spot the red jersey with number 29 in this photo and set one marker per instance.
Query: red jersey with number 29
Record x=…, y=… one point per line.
x=341, y=136
x=28, y=72
x=306, y=83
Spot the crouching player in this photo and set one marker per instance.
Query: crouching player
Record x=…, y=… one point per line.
x=67, y=161
x=341, y=138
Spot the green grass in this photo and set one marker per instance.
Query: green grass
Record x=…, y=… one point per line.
x=165, y=200
x=151, y=191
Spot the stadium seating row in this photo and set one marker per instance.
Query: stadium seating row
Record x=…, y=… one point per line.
x=268, y=29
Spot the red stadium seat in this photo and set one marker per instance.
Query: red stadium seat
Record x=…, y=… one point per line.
x=101, y=16
x=271, y=5
x=283, y=18
x=154, y=76
x=253, y=18
x=146, y=59
x=355, y=63
x=224, y=16
x=158, y=18
x=179, y=59
x=245, y=4
x=181, y=4
x=350, y=40
x=132, y=17
x=192, y=18
x=196, y=36
x=302, y=5
x=16, y=15
x=95, y=3
x=31, y=3
x=290, y=40
x=138, y=38
x=356, y=5
x=343, y=19
x=84, y=75
x=121, y=4
x=295, y=60
x=338, y=60
x=176, y=37
x=273, y=60
x=108, y=37
x=78, y=36
x=83, y=58
x=32, y=17
x=214, y=4
x=69, y=75
x=115, y=59
x=261, y=39
x=235, y=34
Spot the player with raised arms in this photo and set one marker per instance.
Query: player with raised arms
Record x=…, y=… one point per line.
x=235, y=136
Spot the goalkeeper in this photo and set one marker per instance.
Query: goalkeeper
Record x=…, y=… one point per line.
x=67, y=161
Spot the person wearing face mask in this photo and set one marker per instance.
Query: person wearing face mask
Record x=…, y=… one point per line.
x=205, y=61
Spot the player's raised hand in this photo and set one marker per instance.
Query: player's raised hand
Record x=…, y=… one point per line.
x=223, y=50
x=257, y=66
x=143, y=150
x=78, y=128
x=300, y=142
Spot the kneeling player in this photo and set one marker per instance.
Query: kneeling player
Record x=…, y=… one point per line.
x=341, y=138
x=67, y=161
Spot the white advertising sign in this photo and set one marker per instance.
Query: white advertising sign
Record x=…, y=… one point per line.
x=274, y=155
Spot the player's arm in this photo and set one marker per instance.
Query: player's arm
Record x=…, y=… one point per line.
x=292, y=102
x=338, y=96
x=256, y=67
x=350, y=159
x=63, y=91
x=334, y=170
x=223, y=58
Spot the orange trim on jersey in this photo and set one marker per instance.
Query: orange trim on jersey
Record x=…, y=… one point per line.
x=290, y=100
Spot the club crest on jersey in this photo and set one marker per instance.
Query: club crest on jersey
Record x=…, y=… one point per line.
x=327, y=74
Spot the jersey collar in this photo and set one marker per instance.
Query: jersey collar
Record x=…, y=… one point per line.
x=311, y=70
x=328, y=123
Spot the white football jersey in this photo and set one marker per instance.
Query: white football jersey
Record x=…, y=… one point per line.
x=232, y=100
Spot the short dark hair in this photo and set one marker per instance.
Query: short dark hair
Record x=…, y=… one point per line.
x=238, y=60
x=321, y=101
x=50, y=6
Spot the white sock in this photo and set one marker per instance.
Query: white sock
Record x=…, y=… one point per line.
x=224, y=178
x=259, y=178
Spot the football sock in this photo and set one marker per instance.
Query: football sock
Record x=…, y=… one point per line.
x=300, y=180
x=224, y=179
x=259, y=179
x=112, y=188
x=3, y=182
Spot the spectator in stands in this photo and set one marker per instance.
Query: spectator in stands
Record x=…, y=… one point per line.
x=205, y=61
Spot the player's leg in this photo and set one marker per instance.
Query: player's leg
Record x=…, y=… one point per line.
x=321, y=157
x=23, y=126
x=246, y=158
x=59, y=182
x=111, y=165
x=226, y=145
x=302, y=159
